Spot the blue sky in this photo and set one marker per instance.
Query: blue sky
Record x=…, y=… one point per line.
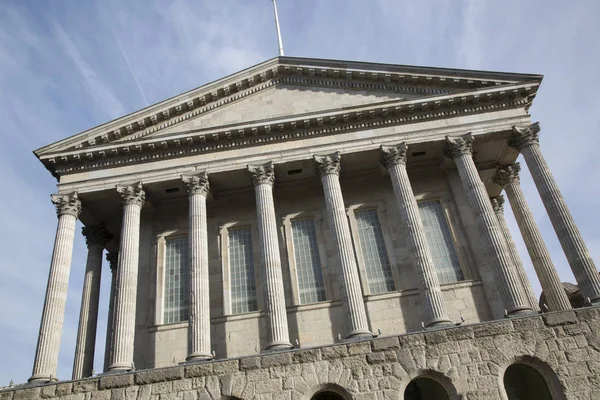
x=68, y=66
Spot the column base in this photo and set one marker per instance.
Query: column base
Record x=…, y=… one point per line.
x=439, y=323
x=279, y=345
x=198, y=357
x=520, y=311
x=42, y=378
x=359, y=334
x=595, y=300
x=119, y=369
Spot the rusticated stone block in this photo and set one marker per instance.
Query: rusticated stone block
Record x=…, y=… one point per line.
x=277, y=359
x=63, y=389
x=47, y=391
x=158, y=375
x=460, y=333
x=250, y=363
x=435, y=337
x=115, y=381
x=162, y=387
x=226, y=367
x=527, y=324
x=85, y=385
x=385, y=343
x=305, y=356
x=411, y=340
x=196, y=370
x=27, y=394
x=560, y=318
x=101, y=395
x=493, y=329
x=334, y=352
x=8, y=394
x=359, y=348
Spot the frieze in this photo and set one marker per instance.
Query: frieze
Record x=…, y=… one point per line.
x=66, y=204
x=197, y=184
x=393, y=155
x=210, y=142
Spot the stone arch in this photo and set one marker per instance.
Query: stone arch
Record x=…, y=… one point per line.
x=541, y=375
x=328, y=391
x=445, y=386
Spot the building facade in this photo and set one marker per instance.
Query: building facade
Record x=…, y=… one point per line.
x=318, y=229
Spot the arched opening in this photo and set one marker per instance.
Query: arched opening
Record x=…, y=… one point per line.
x=425, y=389
x=523, y=382
x=327, y=396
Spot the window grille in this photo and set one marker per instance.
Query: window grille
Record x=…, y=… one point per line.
x=177, y=271
x=241, y=271
x=372, y=245
x=311, y=288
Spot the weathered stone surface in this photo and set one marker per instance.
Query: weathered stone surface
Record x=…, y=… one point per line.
x=277, y=359
x=225, y=367
x=249, y=363
x=85, y=385
x=307, y=355
x=201, y=369
x=116, y=381
x=158, y=375
x=560, y=318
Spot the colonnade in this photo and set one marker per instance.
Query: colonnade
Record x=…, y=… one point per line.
x=498, y=249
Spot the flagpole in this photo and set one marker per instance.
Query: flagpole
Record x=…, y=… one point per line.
x=278, y=29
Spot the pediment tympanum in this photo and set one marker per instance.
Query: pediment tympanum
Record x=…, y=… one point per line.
x=285, y=93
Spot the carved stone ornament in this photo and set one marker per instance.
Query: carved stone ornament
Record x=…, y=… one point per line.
x=96, y=235
x=507, y=174
x=67, y=204
x=329, y=164
x=459, y=146
x=524, y=136
x=261, y=174
x=393, y=155
x=113, y=260
x=498, y=204
x=132, y=194
x=197, y=184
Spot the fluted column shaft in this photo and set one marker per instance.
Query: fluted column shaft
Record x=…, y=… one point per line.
x=328, y=169
x=394, y=159
x=45, y=363
x=199, y=319
x=526, y=140
x=498, y=205
x=113, y=260
x=96, y=238
x=492, y=238
x=278, y=336
x=121, y=357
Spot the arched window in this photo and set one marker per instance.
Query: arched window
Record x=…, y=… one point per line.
x=425, y=389
x=523, y=382
x=327, y=396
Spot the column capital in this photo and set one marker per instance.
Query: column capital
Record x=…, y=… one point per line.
x=393, y=155
x=66, y=204
x=261, y=174
x=132, y=194
x=524, y=136
x=507, y=174
x=328, y=164
x=196, y=184
x=459, y=146
x=113, y=260
x=96, y=235
x=498, y=204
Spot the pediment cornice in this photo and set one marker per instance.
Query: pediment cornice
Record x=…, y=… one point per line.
x=326, y=73
x=141, y=149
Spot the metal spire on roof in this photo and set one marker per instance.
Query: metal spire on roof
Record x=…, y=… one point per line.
x=278, y=30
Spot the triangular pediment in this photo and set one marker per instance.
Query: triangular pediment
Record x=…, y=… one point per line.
x=280, y=90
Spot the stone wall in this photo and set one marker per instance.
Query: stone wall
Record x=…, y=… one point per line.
x=468, y=361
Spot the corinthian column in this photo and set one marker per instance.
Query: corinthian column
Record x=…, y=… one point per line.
x=526, y=140
x=113, y=260
x=508, y=177
x=328, y=169
x=263, y=178
x=199, y=320
x=498, y=206
x=45, y=364
x=121, y=356
x=493, y=241
x=394, y=159
x=96, y=238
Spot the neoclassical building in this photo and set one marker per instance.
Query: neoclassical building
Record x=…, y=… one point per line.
x=312, y=228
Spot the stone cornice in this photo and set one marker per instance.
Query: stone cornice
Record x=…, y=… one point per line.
x=245, y=135
x=370, y=76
